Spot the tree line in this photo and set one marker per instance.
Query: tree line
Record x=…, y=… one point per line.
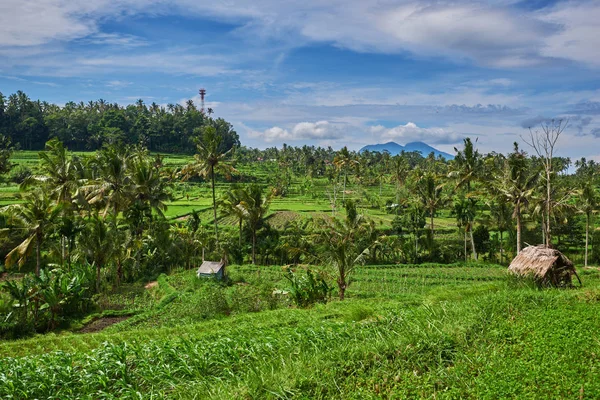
x=88, y=126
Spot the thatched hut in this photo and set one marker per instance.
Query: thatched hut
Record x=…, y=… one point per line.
x=547, y=266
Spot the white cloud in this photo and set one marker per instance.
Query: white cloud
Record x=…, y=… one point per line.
x=115, y=39
x=488, y=32
x=579, y=38
x=118, y=84
x=411, y=133
x=320, y=130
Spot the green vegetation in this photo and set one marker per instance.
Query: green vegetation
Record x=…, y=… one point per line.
x=403, y=331
x=349, y=275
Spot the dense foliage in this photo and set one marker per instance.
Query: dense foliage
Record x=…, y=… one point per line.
x=88, y=126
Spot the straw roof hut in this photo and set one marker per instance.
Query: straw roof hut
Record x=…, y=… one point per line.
x=547, y=266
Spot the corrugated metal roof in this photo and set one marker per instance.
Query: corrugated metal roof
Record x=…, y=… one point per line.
x=210, y=267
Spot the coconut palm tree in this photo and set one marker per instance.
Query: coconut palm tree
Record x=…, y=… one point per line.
x=341, y=247
x=588, y=205
x=431, y=195
x=256, y=206
x=517, y=184
x=208, y=161
x=148, y=185
x=465, y=169
x=98, y=243
x=60, y=178
x=501, y=214
x=231, y=204
x=463, y=212
x=343, y=161
x=35, y=216
x=113, y=186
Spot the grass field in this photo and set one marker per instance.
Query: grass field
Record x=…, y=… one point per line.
x=405, y=331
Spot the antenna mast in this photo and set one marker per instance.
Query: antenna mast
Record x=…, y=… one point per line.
x=202, y=94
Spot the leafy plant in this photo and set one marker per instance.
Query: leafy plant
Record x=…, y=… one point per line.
x=308, y=288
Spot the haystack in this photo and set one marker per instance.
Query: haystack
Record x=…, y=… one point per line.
x=547, y=266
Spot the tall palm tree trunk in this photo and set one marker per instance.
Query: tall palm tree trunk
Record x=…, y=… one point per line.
x=344, y=191
x=212, y=177
x=472, y=242
x=240, y=236
x=465, y=244
x=587, y=235
x=548, y=208
x=518, y=216
x=98, y=278
x=501, y=248
x=431, y=224
x=38, y=252
x=254, y=247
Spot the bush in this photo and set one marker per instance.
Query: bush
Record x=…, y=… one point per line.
x=42, y=303
x=308, y=289
x=19, y=173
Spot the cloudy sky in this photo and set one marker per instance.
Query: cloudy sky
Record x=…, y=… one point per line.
x=336, y=72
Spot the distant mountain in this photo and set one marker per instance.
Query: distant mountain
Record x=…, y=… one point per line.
x=394, y=148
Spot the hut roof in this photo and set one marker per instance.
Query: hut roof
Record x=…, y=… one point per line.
x=538, y=261
x=210, y=267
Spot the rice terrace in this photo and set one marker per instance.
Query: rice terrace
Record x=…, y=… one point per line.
x=369, y=200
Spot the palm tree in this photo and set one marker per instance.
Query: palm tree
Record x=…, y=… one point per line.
x=148, y=185
x=466, y=169
x=35, y=216
x=341, y=247
x=463, y=212
x=231, y=203
x=60, y=178
x=255, y=205
x=208, y=161
x=344, y=160
x=517, y=185
x=98, y=243
x=431, y=196
x=588, y=205
x=501, y=213
x=113, y=186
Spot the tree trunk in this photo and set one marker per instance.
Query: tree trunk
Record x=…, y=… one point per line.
x=465, y=244
x=212, y=177
x=473, y=242
x=501, y=248
x=38, y=253
x=254, y=246
x=518, y=214
x=344, y=192
x=119, y=273
x=548, y=206
x=416, y=243
x=342, y=287
x=240, y=238
x=431, y=224
x=98, y=278
x=587, y=235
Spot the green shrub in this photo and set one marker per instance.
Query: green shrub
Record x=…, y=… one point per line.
x=309, y=288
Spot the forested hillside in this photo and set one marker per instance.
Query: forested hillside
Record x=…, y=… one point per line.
x=88, y=126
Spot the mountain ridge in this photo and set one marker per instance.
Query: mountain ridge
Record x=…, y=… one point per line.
x=394, y=148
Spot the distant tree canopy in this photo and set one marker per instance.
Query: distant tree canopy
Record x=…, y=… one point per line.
x=88, y=126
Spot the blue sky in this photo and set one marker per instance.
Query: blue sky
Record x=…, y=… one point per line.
x=337, y=73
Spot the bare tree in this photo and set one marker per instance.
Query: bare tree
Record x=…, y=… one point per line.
x=543, y=141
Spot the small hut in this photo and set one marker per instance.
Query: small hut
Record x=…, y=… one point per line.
x=546, y=265
x=210, y=269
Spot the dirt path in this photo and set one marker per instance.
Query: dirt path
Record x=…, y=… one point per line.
x=102, y=323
